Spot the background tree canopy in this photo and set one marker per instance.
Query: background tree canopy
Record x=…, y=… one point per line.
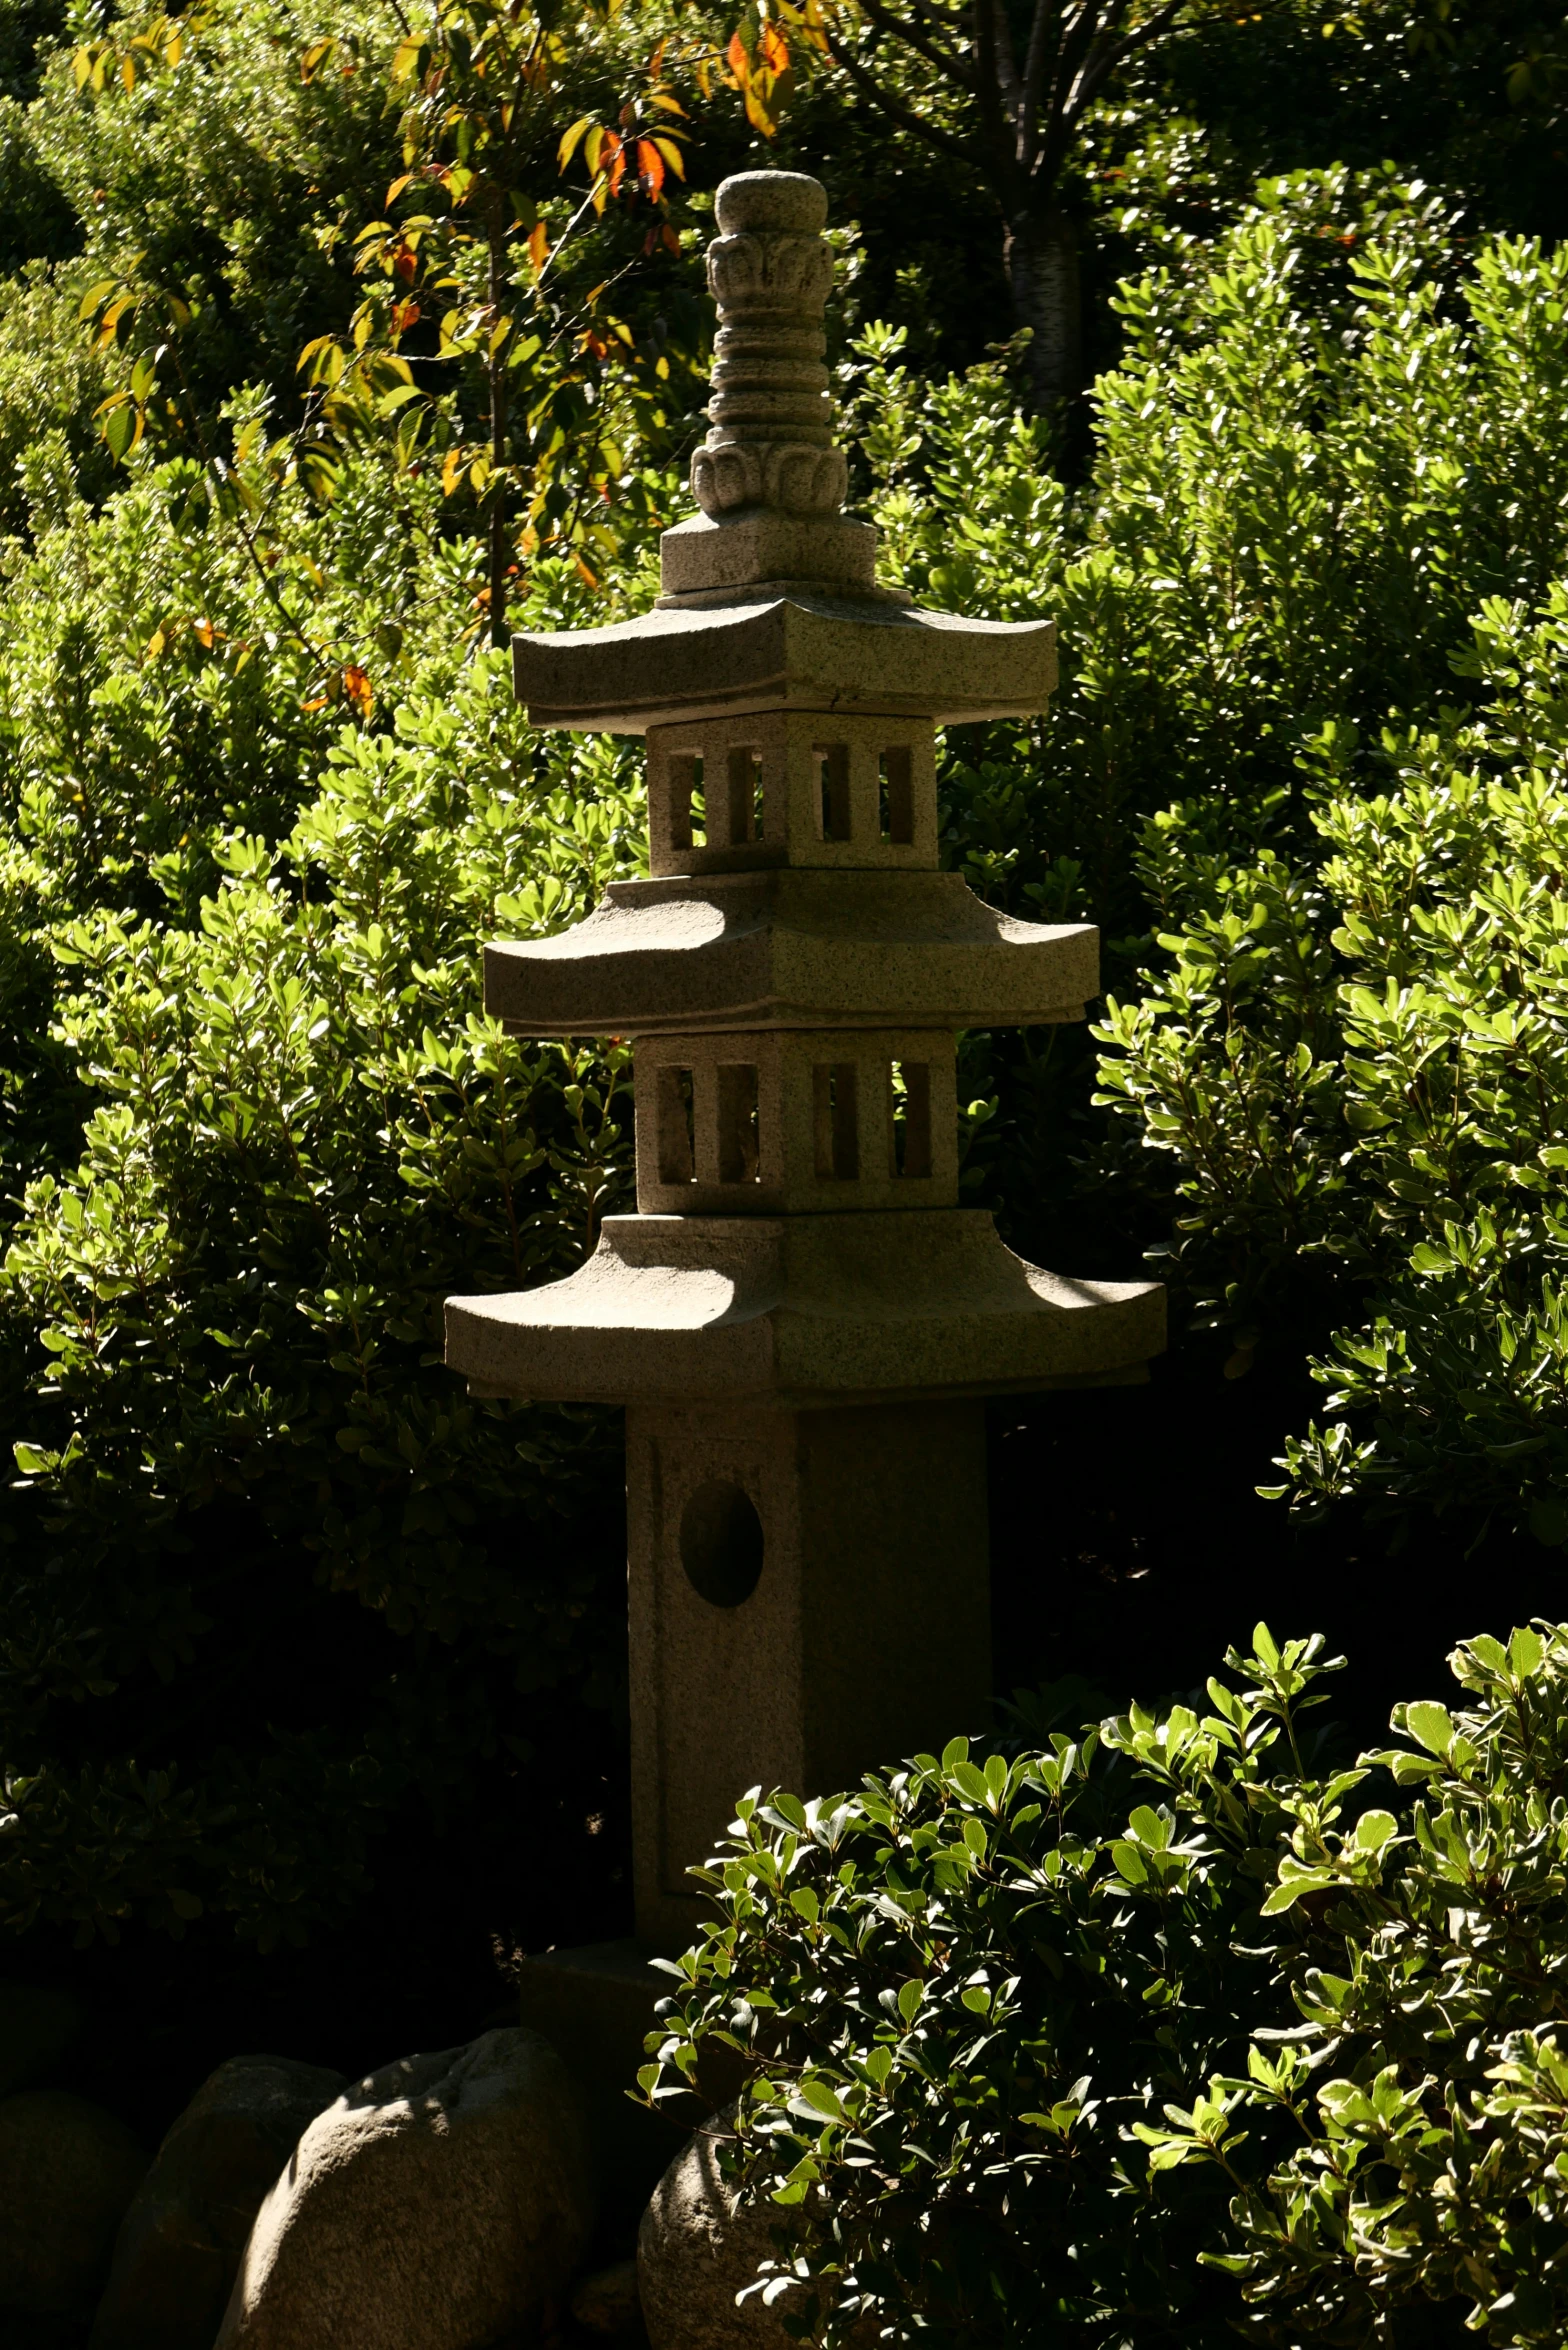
x=335, y=341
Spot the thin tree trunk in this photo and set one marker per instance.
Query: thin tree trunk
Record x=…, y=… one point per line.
x=499, y=501
x=1041, y=257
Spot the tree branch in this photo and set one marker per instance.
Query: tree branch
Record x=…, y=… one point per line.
x=940, y=18
x=1046, y=14
x=903, y=115
x=951, y=67
x=1079, y=28
x=1103, y=60
x=999, y=133
x=1005, y=64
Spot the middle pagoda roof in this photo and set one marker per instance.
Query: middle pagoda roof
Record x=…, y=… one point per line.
x=793, y=949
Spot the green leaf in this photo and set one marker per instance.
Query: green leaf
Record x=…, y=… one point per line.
x=821, y=2097
x=1431, y=1725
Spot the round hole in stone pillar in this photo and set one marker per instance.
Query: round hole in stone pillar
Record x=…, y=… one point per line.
x=721, y=1544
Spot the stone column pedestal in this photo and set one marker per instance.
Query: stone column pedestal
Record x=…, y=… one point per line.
x=809, y=1598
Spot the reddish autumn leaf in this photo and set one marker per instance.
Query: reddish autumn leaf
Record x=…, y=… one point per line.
x=651, y=164
x=775, y=50
x=739, y=62
x=404, y=315
x=405, y=261
x=615, y=149
x=356, y=684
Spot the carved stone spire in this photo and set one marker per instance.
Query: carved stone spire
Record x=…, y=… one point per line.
x=770, y=273
x=768, y=478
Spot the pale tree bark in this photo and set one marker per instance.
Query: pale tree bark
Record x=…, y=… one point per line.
x=1041, y=260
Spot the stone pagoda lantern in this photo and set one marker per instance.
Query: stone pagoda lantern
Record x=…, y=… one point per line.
x=800, y=1319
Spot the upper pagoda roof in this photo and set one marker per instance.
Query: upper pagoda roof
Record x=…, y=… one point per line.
x=792, y=647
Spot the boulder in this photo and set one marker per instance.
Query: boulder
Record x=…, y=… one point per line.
x=36, y=2029
x=444, y=2202
x=179, y=2246
x=696, y=2252
x=67, y=2172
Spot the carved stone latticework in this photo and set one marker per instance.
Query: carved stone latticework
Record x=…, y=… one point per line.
x=801, y=1317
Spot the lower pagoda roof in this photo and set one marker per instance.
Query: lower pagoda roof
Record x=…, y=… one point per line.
x=801, y=1311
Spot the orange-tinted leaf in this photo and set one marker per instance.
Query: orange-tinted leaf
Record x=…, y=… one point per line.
x=538, y=246
x=615, y=149
x=651, y=165
x=356, y=684
x=739, y=62
x=775, y=50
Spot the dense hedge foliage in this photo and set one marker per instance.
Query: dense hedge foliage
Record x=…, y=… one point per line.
x=1163, y=2031
x=271, y=1587
x=258, y=1126
x=1309, y=609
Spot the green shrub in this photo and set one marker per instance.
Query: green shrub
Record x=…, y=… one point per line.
x=1332, y=437
x=254, y=1126
x=274, y=1586
x=1163, y=2031
x=1311, y=598
x=1360, y=1067
x=304, y=1133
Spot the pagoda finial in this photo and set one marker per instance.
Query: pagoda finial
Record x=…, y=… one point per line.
x=770, y=272
x=768, y=478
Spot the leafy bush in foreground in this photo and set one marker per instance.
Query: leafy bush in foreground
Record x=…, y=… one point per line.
x=1163, y=2031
